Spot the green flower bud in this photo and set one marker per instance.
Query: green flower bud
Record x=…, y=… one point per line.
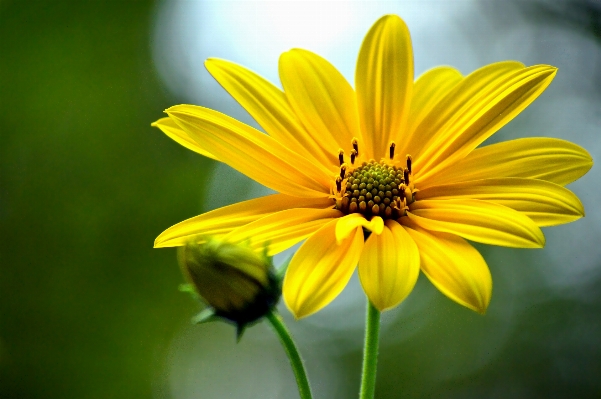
x=237, y=282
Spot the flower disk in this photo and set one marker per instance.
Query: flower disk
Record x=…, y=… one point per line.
x=374, y=189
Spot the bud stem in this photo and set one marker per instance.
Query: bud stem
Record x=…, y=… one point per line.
x=370, y=352
x=293, y=355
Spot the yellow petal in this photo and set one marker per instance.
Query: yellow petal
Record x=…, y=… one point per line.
x=251, y=152
x=322, y=98
x=389, y=266
x=459, y=98
x=546, y=203
x=454, y=267
x=490, y=110
x=320, y=270
x=268, y=106
x=429, y=89
x=171, y=129
x=542, y=158
x=348, y=224
x=281, y=230
x=479, y=221
x=384, y=83
x=223, y=220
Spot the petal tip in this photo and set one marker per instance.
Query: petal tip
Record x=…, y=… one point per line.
x=481, y=311
x=541, y=240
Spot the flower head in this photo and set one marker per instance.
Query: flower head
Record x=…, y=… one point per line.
x=388, y=176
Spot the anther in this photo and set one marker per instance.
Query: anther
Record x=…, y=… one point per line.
x=342, y=170
x=409, y=162
x=341, y=156
x=392, y=145
x=338, y=183
x=406, y=175
x=353, y=156
x=356, y=145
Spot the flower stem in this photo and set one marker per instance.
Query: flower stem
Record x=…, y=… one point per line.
x=295, y=360
x=370, y=352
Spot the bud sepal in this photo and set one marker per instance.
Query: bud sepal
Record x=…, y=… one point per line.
x=238, y=284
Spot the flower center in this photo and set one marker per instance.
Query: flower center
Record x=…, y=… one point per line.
x=374, y=188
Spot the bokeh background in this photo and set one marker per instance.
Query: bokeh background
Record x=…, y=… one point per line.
x=89, y=310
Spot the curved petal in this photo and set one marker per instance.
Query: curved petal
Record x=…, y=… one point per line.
x=546, y=203
x=348, y=224
x=268, y=106
x=489, y=110
x=460, y=98
x=322, y=98
x=429, y=89
x=251, y=152
x=281, y=230
x=223, y=220
x=479, y=221
x=171, y=129
x=389, y=266
x=542, y=158
x=320, y=270
x=384, y=83
x=454, y=267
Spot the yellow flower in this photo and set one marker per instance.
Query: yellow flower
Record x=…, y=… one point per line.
x=388, y=176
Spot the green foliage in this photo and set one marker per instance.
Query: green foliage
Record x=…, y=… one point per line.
x=88, y=307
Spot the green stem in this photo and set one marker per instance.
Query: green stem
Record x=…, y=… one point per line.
x=295, y=360
x=370, y=352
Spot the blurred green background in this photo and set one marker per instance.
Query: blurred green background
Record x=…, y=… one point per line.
x=89, y=310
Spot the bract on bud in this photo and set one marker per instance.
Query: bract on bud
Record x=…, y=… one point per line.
x=237, y=282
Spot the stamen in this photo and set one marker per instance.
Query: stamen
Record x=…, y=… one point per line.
x=356, y=145
x=341, y=156
x=392, y=146
x=409, y=162
x=342, y=170
x=353, y=156
x=406, y=175
x=338, y=183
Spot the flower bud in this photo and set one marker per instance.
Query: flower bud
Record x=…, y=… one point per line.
x=237, y=282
